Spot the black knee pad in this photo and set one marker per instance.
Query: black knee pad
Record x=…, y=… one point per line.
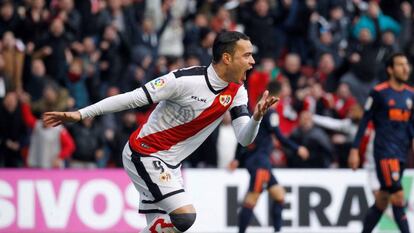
x=183, y=221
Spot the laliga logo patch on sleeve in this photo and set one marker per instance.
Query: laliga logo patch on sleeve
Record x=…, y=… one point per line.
x=157, y=83
x=368, y=103
x=225, y=100
x=409, y=103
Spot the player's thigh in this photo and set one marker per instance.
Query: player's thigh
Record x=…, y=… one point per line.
x=397, y=198
x=160, y=185
x=382, y=199
x=277, y=193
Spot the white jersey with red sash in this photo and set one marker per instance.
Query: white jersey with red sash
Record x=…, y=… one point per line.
x=189, y=110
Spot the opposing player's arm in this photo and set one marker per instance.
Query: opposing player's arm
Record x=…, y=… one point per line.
x=370, y=106
x=412, y=126
x=273, y=120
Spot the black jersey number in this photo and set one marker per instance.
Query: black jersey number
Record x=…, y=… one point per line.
x=158, y=166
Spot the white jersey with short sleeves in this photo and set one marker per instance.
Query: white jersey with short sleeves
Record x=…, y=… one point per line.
x=191, y=104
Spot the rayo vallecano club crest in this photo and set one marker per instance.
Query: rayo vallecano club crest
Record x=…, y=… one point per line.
x=225, y=100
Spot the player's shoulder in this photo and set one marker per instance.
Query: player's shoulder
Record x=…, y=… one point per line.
x=190, y=71
x=382, y=86
x=409, y=89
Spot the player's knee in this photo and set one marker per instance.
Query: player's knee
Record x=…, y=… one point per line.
x=277, y=193
x=251, y=199
x=183, y=221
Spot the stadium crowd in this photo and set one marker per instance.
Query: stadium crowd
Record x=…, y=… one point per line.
x=58, y=55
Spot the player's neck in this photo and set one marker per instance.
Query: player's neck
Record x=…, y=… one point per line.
x=221, y=71
x=396, y=85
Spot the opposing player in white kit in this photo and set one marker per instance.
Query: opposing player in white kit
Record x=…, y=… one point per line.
x=191, y=104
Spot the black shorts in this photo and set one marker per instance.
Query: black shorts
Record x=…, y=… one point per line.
x=261, y=178
x=389, y=173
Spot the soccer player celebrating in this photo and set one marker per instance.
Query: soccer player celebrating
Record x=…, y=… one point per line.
x=390, y=107
x=256, y=159
x=191, y=104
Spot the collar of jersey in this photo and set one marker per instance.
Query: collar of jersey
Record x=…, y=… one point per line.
x=215, y=83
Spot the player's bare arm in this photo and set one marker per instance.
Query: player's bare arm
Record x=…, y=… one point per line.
x=263, y=105
x=52, y=119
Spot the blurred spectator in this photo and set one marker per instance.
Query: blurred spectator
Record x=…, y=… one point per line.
x=5, y=84
x=204, y=51
x=323, y=40
x=53, y=98
x=221, y=20
x=90, y=56
x=76, y=83
x=94, y=17
x=49, y=147
x=121, y=135
x=53, y=48
x=315, y=99
x=317, y=142
x=12, y=132
x=344, y=131
x=122, y=20
x=13, y=54
x=136, y=8
x=70, y=17
x=115, y=53
x=109, y=125
x=37, y=82
x=288, y=115
x=140, y=70
x=171, y=40
x=258, y=19
x=192, y=30
x=389, y=45
x=35, y=23
x=292, y=20
x=292, y=70
x=9, y=19
x=365, y=64
x=343, y=101
x=89, y=144
x=375, y=16
x=259, y=78
x=328, y=73
x=148, y=36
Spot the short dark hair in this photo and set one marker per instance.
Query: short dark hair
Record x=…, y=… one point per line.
x=274, y=87
x=390, y=60
x=225, y=42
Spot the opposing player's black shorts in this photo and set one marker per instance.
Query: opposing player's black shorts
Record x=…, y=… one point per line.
x=389, y=173
x=261, y=178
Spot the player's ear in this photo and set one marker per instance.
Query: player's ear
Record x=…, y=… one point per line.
x=226, y=57
x=389, y=71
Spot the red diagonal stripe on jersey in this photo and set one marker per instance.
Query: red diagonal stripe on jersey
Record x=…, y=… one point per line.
x=164, y=140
